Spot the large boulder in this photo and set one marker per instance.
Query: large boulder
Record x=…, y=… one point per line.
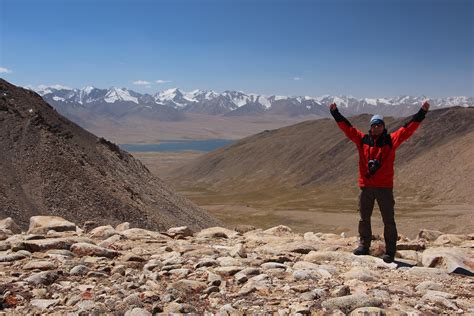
x=451, y=259
x=9, y=224
x=43, y=224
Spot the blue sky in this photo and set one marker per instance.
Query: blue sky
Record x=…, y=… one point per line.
x=362, y=48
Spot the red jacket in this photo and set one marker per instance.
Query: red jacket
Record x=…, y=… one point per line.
x=381, y=148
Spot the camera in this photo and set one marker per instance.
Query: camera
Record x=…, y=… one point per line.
x=373, y=165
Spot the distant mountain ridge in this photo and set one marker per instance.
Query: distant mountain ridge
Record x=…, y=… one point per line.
x=171, y=104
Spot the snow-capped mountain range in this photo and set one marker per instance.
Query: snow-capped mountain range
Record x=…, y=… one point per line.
x=171, y=104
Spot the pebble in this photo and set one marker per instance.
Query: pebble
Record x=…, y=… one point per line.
x=222, y=272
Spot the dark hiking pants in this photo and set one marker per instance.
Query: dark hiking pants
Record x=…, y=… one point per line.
x=384, y=197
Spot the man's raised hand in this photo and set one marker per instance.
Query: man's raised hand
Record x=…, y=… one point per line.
x=425, y=106
x=333, y=107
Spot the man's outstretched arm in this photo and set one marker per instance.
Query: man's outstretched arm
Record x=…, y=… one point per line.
x=344, y=124
x=404, y=132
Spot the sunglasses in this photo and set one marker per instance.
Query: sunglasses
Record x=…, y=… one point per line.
x=376, y=125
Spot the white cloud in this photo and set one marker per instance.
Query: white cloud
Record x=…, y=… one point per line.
x=141, y=82
x=297, y=78
x=162, y=81
x=5, y=70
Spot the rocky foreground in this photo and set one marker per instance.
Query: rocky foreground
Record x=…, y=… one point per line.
x=57, y=267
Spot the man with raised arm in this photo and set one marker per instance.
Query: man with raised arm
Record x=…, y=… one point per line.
x=376, y=158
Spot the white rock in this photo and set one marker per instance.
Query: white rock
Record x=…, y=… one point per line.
x=217, y=232
x=361, y=274
x=43, y=303
x=451, y=259
x=9, y=224
x=103, y=232
x=42, y=224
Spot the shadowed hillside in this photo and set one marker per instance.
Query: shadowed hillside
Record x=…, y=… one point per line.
x=49, y=165
x=434, y=164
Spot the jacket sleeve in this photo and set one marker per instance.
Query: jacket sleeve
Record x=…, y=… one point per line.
x=351, y=132
x=404, y=132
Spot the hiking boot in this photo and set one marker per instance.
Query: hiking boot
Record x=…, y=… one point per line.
x=361, y=250
x=388, y=258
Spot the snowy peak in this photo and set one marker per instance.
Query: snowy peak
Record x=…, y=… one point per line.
x=116, y=94
x=240, y=103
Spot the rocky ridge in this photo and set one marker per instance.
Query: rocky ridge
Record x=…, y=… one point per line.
x=57, y=267
x=51, y=166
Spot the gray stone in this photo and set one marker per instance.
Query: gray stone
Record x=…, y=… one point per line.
x=429, y=285
x=132, y=257
x=247, y=289
x=9, y=224
x=366, y=311
x=441, y=298
x=187, y=286
x=13, y=257
x=240, y=278
x=211, y=289
x=52, y=243
x=451, y=259
x=341, y=290
x=217, y=232
x=111, y=240
x=206, y=263
x=43, y=303
x=43, y=278
x=416, y=245
x=140, y=234
x=244, y=228
x=123, y=226
x=361, y=274
x=4, y=245
x=433, y=273
x=213, y=279
x=251, y=271
x=305, y=275
x=306, y=265
x=88, y=226
x=312, y=295
x=450, y=239
x=79, y=270
x=429, y=235
x=280, y=230
x=85, y=305
x=273, y=265
x=39, y=265
x=227, y=310
x=43, y=224
x=351, y=302
x=182, y=231
x=133, y=300
x=228, y=271
x=103, y=232
x=298, y=309
x=228, y=262
x=137, y=312
x=180, y=272
x=238, y=250
x=84, y=249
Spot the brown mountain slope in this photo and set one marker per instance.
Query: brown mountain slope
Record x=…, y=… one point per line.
x=49, y=165
x=436, y=163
